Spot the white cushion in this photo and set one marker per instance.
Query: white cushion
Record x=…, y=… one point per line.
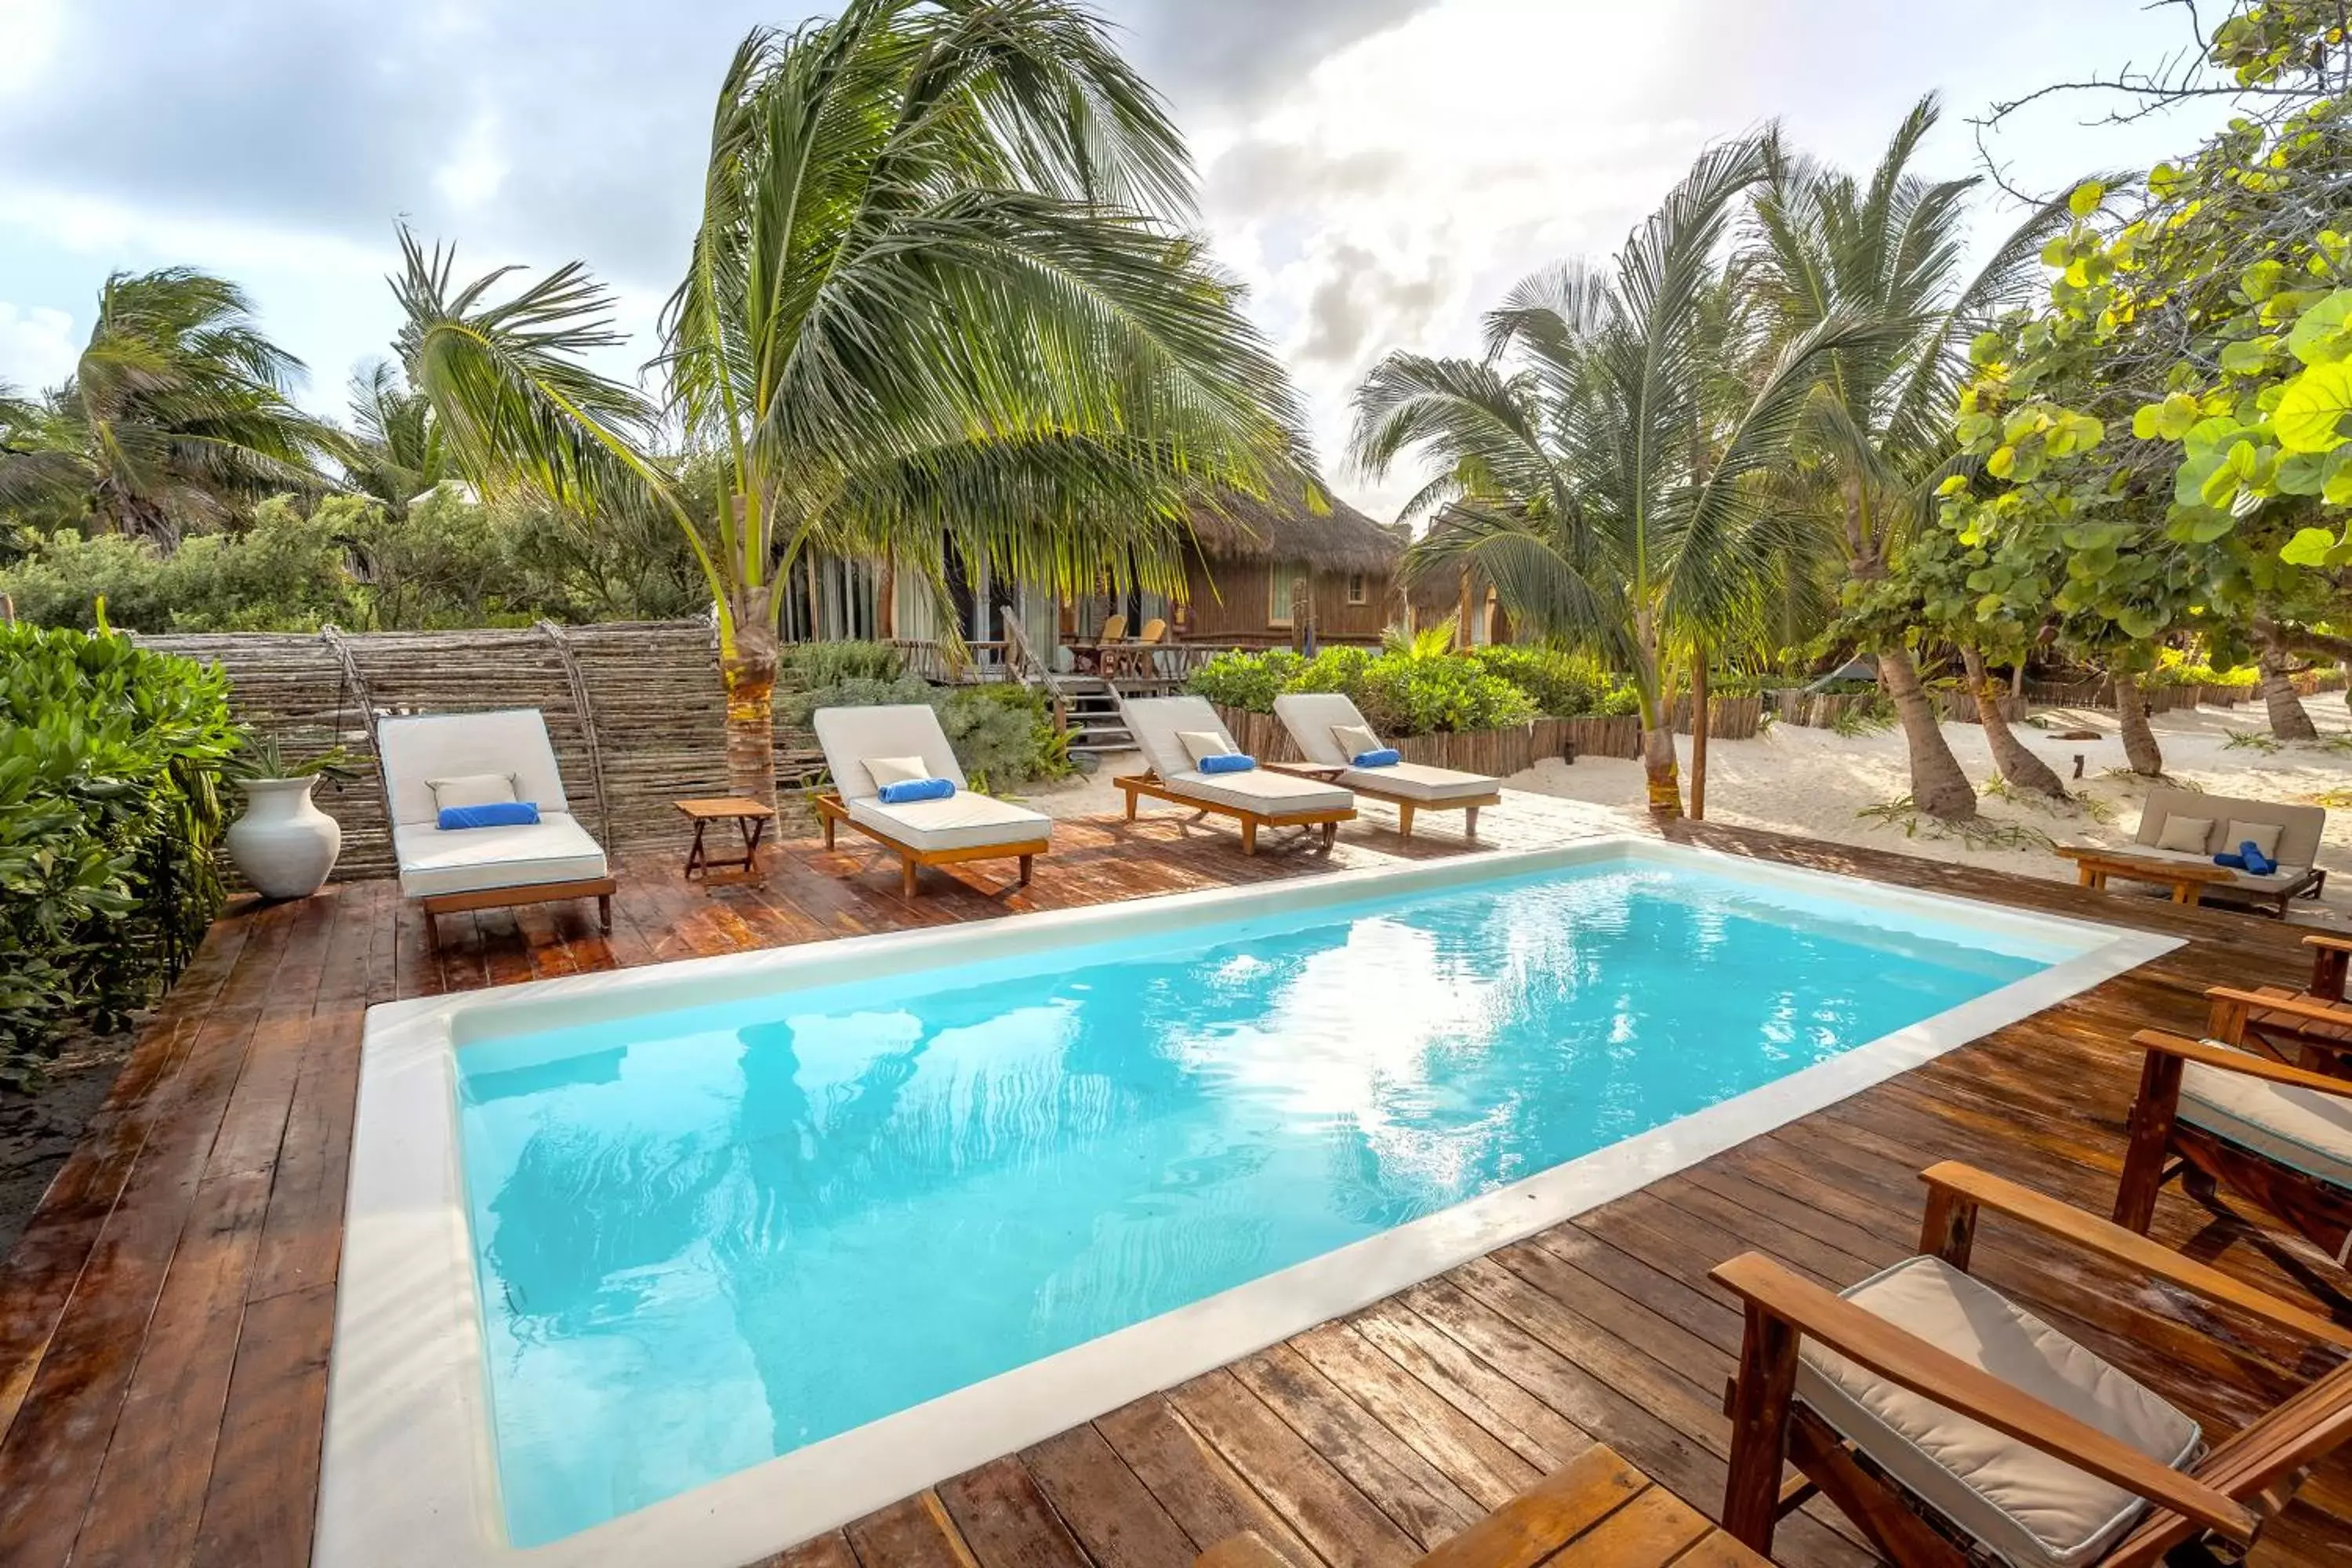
x=425, y=746
x=1157, y=721
x=897, y=770
x=1418, y=781
x=2301, y=1129
x=1268, y=793
x=2265, y=835
x=472, y=789
x=555, y=848
x=2035, y=1510
x=1199, y=744
x=962, y=820
x=850, y=735
x=2191, y=834
x=1355, y=740
x=1313, y=719
x=2275, y=881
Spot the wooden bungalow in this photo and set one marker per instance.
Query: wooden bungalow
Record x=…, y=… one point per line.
x=1287, y=573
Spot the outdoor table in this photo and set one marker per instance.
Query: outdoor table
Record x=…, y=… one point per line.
x=750, y=819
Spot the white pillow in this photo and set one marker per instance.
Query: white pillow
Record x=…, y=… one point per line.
x=2186, y=833
x=1355, y=740
x=896, y=770
x=471, y=789
x=1199, y=744
x=2265, y=835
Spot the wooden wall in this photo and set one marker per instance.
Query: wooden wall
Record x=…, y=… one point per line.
x=1229, y=598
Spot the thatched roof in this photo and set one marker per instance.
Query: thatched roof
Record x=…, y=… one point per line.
x=1286, y=528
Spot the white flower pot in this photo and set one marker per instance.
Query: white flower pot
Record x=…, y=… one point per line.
x=283, y=844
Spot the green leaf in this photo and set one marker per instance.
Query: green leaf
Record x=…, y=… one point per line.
x=2001, y=463
x=2261, y=280
x=2311, y=410
x=2250, y=356
x=2309, y=547
x=2086, y=198
x=2301, y=474
x=2323, y=334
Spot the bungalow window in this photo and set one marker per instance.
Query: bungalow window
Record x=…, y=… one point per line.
x=1354, y=587
x=1283, y=581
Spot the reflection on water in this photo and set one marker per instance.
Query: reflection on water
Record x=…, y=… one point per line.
x=707, y=1245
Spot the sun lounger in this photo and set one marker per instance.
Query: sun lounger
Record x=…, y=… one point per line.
x=2179, y=833
x=1257, y=798
x=2216, y=1115
x=429, y=760
x=1316, y=720
x=1931, y=1409
x=964, y=827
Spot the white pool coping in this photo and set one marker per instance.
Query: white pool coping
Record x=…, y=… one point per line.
x=410, y=1471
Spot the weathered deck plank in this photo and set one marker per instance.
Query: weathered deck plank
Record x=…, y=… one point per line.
x=166, y=1320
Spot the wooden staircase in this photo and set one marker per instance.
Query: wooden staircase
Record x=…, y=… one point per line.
x=1088, y=706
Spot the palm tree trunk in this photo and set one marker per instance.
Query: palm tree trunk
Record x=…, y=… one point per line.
x=2020, y=767
x=749, y=668
x=2140, y=748
x=2288, y=720
x=1938, y=787
x=1698, y=733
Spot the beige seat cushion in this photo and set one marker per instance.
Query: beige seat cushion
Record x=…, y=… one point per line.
x=896, y=770
x=1199, y=744
x=2032, y=1510
x=2190, y=834
x=2264, y=836
x=962, y=820
x=2276, y=882
x=1417, y=781
x=2299, y=1127
x=472, y=789
x=555, y=848
x=1354, y=740
x=1269, y=794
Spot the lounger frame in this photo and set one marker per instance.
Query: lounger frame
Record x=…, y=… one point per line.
x=2164, y=1147
x=1137, y=785
x=2232, y=1492
x=833, y=812
x=600, y=888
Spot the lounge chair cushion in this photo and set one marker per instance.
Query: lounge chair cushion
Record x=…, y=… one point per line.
x=555, y=848
x=1268, y=793
x=2262, y=835
x=885, y=731
x=508, y=743
x=2031, y=1510
x=1159, y=724
x=2302, y=828
x=896, y=770
x=2277, y=881
x=962, y=820
x=1354, y=740
x=2186, y=835
x=472, y=789
x=1201, y=744
x=2298, y=1128
x=1417, y=781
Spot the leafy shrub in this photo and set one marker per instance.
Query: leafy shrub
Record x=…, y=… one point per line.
x=1621, y=703
x=1401, y=693
x=831, y=663
x=109, y=814
x=1250, y=681
x=1563, y=685
x=1003, y=735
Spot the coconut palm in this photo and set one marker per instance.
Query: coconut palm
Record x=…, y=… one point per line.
x=1597, y=466
x=178, y=415
x=1825, y=246
x=397, y=453
x=938, y=297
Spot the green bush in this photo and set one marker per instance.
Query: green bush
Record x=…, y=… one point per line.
x=1246, y=681
x=831, y=663
x=1401, y=693
x=1562, y=684
x=109, y=816
x=1003, y=735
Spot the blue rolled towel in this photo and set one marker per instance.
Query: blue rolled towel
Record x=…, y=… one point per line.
x=1231, y=763
x=2235, y=862
x=908, y=791
x=497, y=814
x=1386, y=757
x=2259, y=864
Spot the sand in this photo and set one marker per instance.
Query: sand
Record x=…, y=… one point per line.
x=1816, y=782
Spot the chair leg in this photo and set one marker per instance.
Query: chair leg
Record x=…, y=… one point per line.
x=1330, y=835
x=604, y=914
x=1761, y=1401
x=827, y=820
x=1249, y=835
x=432, y=933
x=1470, y=823
x=1404, y=819
x=1026, y=862
x=2150, y=1140
x=907, y=875
x=1130, y=803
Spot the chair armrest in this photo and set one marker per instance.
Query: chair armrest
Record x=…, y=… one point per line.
x=2244, y=1062
x=2088, y=1231
x=1902, y=1358
x=2303, y=1007
x=2332, y=943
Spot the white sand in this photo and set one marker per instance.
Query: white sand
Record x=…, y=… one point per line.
x=1815, y=781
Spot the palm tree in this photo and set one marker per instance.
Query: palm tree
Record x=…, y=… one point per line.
x=1825, y=245
x=1598, y=465
x=396, y=454
x=178, y=415
x=938, y=298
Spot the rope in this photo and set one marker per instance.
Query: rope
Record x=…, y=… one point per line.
x=579, y=684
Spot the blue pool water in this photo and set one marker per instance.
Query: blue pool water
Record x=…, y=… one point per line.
x=705, y=1238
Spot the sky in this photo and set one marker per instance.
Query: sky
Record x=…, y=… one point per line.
x=1376, y=172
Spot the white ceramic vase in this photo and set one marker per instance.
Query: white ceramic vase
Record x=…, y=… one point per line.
x=283, y=844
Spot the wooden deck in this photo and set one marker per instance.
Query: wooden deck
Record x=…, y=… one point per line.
x=164, y=1323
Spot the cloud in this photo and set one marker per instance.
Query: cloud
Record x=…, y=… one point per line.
x=1215, y=56
x=1359, y=302
x=37, y=347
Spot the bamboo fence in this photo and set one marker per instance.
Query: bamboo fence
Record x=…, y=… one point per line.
x=1500, y=753
x=634, y=711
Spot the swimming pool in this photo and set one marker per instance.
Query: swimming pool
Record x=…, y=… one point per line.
x=748, y=1245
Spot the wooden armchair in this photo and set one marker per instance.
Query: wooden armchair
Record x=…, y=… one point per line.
x=2312, y=1028
x=1934, y=1412
x=2216, y=1116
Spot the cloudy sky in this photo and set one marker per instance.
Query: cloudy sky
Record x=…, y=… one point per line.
x=1378, y=169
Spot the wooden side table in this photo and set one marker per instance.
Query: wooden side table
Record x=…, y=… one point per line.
x=750, y=819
